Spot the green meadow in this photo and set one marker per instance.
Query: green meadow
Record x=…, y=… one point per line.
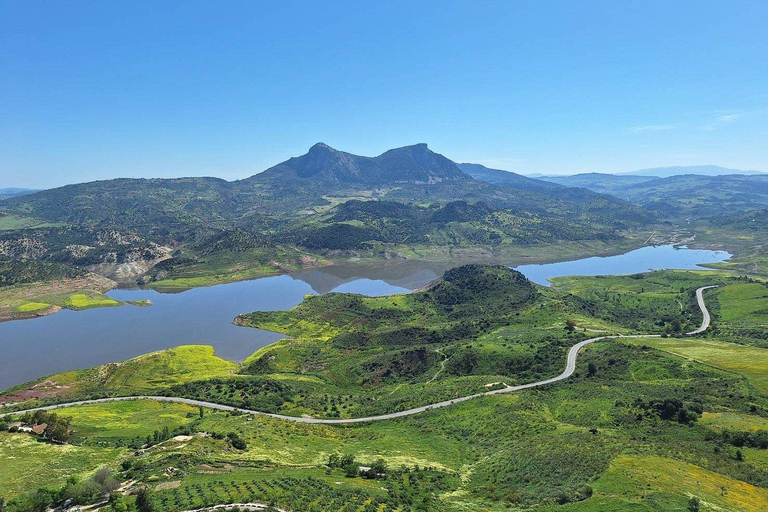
x=643, y=425
x=751, y=362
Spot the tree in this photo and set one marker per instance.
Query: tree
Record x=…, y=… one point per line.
x=58, y=431
x=41, y=500
x=739, y=455
x=351, y=470
x=106, y=480
x=201, y=411
x=144, y=501
x=694, y=504
x=591, y=369
x=117, y=503
x=377, y=470
x=570, y=325
x=350, y=467
x=379, y=467
x=236, y=441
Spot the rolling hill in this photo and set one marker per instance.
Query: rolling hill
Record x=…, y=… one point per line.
x=598, y=182
x=700, y=196
x=5, y=193
x=685, y=194
x=506, y=178
x=701, y=170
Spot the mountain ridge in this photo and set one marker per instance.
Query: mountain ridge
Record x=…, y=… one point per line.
x=700, y=170
x=415, y=164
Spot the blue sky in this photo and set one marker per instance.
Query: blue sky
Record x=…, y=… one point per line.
x=103, y=89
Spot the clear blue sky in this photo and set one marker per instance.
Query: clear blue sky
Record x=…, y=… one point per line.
x=102, y=89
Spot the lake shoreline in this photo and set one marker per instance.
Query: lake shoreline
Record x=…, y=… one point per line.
x=205, y=316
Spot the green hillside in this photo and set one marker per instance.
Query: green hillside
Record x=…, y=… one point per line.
x=643, y=424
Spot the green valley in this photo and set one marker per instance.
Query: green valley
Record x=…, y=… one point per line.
x=634, y=410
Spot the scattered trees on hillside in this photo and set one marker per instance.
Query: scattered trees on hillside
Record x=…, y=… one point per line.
x=672, y=409
x=757, y=439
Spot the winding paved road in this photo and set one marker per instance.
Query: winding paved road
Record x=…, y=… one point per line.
x=570, y=367
x=704, y=311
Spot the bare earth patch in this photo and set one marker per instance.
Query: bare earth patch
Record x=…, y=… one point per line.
x=174, y=484
x=45, y=389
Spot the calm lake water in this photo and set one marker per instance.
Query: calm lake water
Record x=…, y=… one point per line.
x=658, y=257
x=69, y=340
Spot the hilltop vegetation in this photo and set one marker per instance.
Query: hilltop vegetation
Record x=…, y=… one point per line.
x=636, y=428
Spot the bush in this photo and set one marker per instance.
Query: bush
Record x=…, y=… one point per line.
x=236, y=441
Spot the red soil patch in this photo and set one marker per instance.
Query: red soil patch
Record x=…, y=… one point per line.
x=45, y=389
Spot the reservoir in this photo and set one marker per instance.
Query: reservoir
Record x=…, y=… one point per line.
x=71, y=340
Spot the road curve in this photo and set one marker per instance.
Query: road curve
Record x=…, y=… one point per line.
x=704, y=311
x=570, y=367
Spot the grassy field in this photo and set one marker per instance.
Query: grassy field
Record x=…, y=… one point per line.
x=126, y=419
x=27, y=307
x=742, y=312
x=85, y=301
x=11, y=222
x=142, y=374
x=23, y=300
x=744, y=301
x=734, y=421
x=292, y=444
x=750, y=362
x=667, y=484
x=29, y=464
x=167, y=367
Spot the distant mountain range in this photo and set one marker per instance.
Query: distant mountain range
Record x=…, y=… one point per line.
x=683, y=194
x=701, y=170
x=597, y=182
x=323, y=200
x=655, y=172
x=292, y=189
x=5, y=193
x=328, y=201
